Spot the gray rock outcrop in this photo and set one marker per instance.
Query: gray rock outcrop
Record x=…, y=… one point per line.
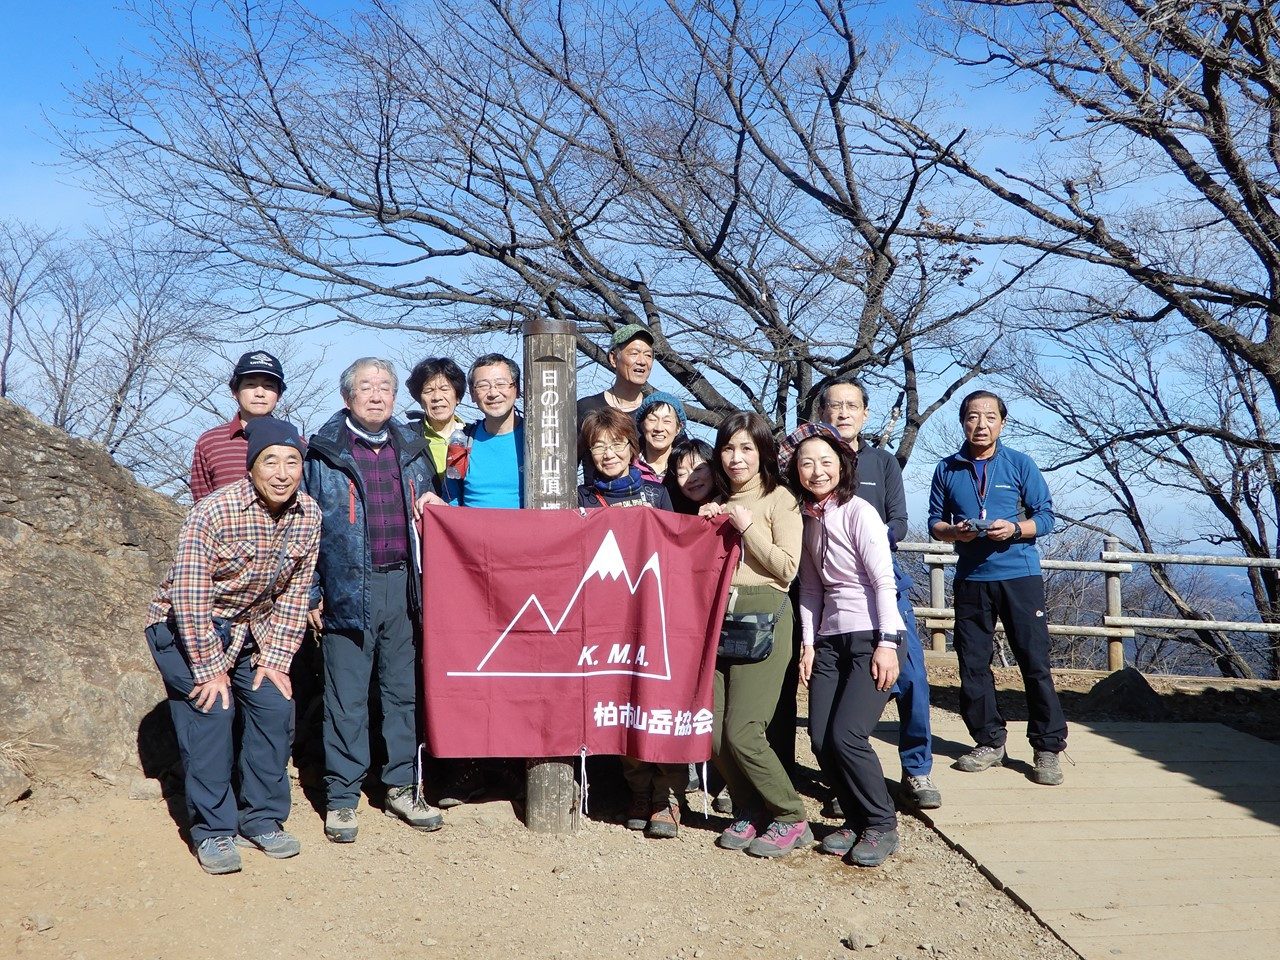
x=1127, y=695
x=13, y=782
x=82, y=548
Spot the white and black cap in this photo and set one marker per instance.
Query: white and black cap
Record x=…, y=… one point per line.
x=257, y=361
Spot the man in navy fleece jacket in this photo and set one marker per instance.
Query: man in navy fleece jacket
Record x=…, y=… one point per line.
x=992, y=503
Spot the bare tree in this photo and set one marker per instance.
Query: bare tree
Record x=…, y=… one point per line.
x=116, y=346
x=1149, y=177
x=779, y=195
x=1177, y=98
x=726, y=174
x=1144, y=418
x=25, y=254
x=59, y=344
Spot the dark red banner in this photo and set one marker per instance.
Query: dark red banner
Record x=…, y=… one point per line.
x=546, y=631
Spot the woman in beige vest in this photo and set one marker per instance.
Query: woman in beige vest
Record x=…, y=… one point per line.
x=769, y=818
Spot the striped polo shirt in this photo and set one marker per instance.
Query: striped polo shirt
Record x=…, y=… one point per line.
x=219, y=458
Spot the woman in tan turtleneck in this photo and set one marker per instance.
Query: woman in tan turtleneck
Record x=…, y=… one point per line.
x=769, y=816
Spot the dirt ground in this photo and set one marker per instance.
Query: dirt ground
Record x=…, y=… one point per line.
x=87, y=871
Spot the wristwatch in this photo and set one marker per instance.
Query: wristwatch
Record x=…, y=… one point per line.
x=1017, y=532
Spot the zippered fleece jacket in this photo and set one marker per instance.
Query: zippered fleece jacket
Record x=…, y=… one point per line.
x=846, y=573
x=331, y=477
x=1015, y=491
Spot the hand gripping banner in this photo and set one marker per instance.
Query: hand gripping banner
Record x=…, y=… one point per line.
x=545, y=631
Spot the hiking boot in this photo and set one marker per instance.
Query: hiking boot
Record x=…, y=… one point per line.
x=981, y=758
x=779, y=839
x=873, y=848
x=920, y=792
x=276, y=844
x=838, y=842
x=1047, y=770
x=638, y=811
x=465, y=786
x=723, y=803
x=833, y=809
x=694, y=782
x=664, y=824
x=738, y=835
x=218, y=855
x=416, y=812
x=340, y=825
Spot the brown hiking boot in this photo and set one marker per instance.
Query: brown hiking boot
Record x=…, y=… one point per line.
x=664, y=823
x=638, y=811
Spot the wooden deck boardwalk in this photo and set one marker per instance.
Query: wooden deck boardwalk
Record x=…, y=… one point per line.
x=1164, y=841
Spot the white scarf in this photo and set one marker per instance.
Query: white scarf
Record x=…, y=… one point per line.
x=373, y=439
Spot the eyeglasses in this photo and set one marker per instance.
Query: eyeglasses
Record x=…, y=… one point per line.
x=850, y=406
x=618, y=447
x=368, y=389
x=482, y=386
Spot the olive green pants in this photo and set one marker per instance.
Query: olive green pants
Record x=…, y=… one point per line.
x=660, y=782
x=746, y=695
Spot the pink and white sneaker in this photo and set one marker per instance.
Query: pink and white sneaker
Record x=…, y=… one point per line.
x=779, y=839
x=738, y=835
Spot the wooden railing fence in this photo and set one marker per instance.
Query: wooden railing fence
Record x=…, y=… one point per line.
x=937, y=618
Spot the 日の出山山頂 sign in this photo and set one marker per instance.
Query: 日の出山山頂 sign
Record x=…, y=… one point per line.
x=545, y=632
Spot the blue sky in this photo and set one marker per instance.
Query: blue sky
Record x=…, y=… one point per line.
x=41, y=58
x=40, y=55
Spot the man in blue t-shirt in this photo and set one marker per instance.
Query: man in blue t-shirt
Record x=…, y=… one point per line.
x=486, y=461
x=992, y=503
x=495, y=463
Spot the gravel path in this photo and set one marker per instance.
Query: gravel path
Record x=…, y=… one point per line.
x=91, y=873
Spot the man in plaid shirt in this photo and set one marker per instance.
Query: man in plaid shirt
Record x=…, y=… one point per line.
x=223, y=630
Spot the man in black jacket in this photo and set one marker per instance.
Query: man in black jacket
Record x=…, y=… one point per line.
x=369, y=475
x=631, y=356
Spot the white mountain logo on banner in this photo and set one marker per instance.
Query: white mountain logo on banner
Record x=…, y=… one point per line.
x=629, y=635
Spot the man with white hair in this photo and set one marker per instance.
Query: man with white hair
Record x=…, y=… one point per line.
x=369, y=474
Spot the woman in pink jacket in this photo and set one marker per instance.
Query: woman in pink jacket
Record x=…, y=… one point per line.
x=850, y=627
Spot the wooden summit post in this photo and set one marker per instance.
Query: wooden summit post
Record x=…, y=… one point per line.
x=550, y=483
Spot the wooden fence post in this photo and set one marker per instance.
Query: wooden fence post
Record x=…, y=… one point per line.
x=937, y=600
x=1115, y=608
x=550, y=483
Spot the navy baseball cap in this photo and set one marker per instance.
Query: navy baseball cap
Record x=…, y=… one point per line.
x=257, y=361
